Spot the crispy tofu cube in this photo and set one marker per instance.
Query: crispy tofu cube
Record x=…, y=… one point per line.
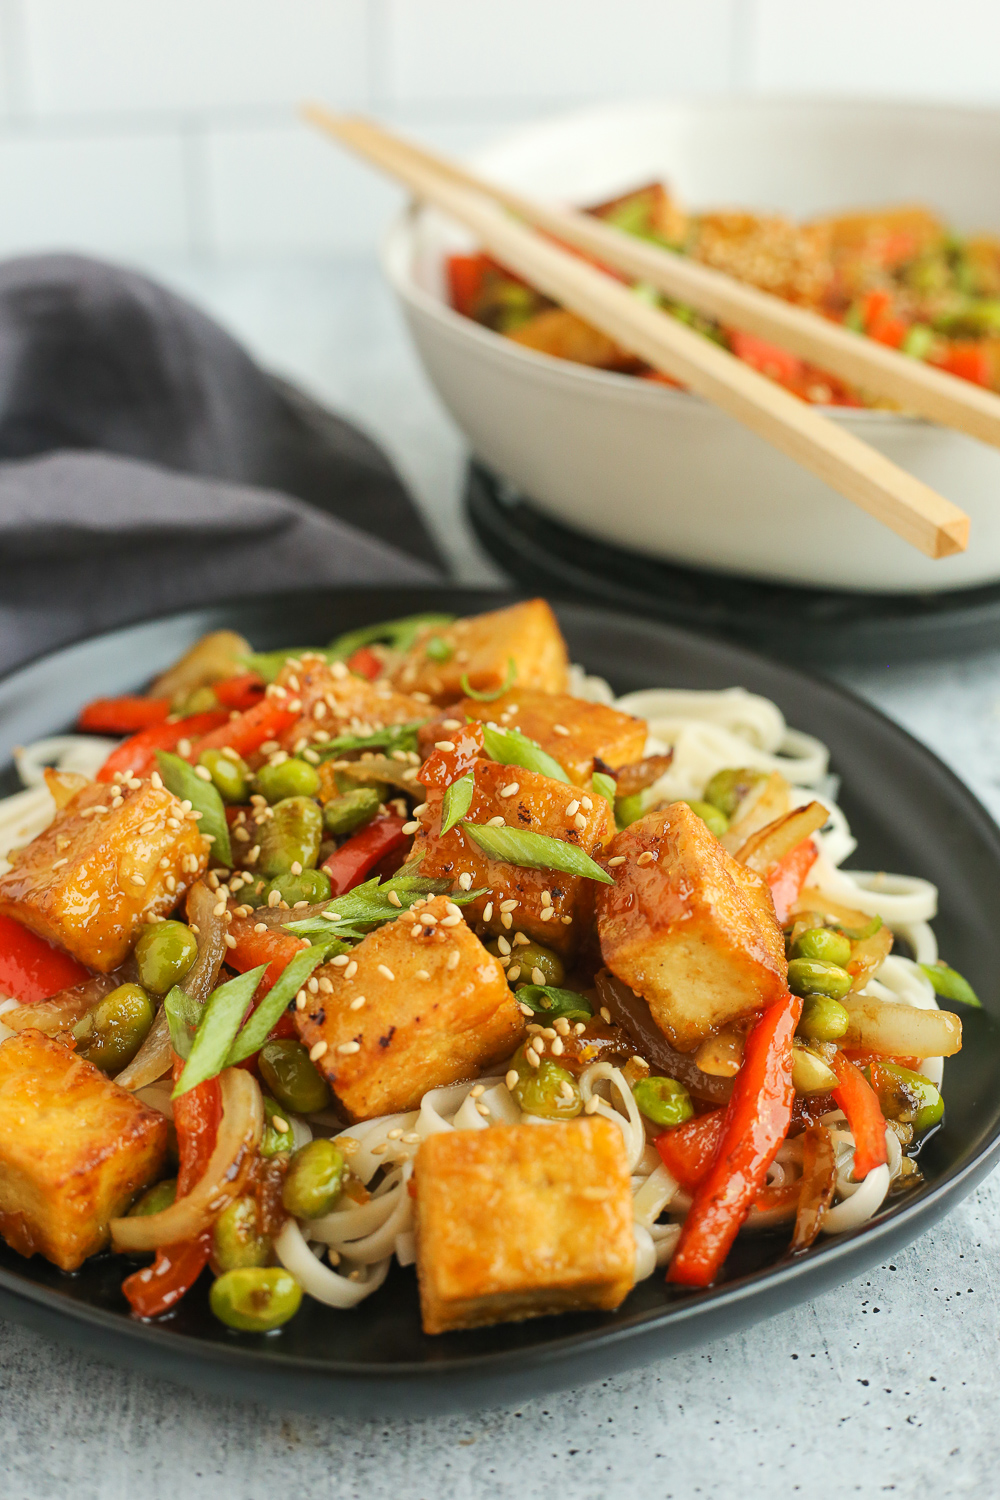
x=687, y=928
x=335, y=701
x=113, y=859
x=75, y=1149
x=551, y=908
x=515, y=1222
x=483, y=646
x=435, y=1008
x=571, y=730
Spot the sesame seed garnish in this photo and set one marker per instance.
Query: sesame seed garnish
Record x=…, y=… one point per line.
x=514, y=972
x=393, y=899
x=301, y=1000
x=444, y=745
x=274, y=898
x=537, y=977
x=352, y=969
x=573, y=808
x=511, y=790
x=428, y=918
x=592, y=1105
x=519, y=937
x=280, y=1124
x=422, y=974
x=230, y=940
x=509, y=905
x=184, y=748
x=580, y=1027
x=565, y=1088
x=330, y=916
x=532, y=1057
x=347, y=1048
x=618, y=859
x=504, y=946
x=137, y=879
x=156, y=780
x=580, y=821
x=547, y=913
x=385, y=971
x=451, y=921
x=476, y=1090
x=585, y=802
x=296, y=867
x=566, y=921
x=561, y=1025
x=546, y=898
x=422, y=808
x=525, y=1010
x=506, y=919
x=488, y=911
x=203, y=773
x=378, y=1150
x=646, y=857
x=312, y=985
x=58, y=863
x=454, y=959
x=358, y=1003
x=605, y=1014
x=219, y=908
x=483, y=1109
x=557, y=1047
x=260, y=927
x=497, y=822
x=451, y=724
x=341, y=961
x=511, y=1078
x=411, y=827
x=325, y=987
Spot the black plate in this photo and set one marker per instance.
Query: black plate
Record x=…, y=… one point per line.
x=909, y=814
x=808, y=626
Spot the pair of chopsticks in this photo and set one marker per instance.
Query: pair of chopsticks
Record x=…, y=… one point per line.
x=908, y=507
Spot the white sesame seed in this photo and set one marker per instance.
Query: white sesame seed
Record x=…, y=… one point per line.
x=219, y=908
x=605, y=1014
x=586, y=803
x=141, y=880
x=296, y=867
x=525, y=1010
x=561, y=1025
x=618, y=859
x=483, y=1109
x=496, y=822
x=422, y=808
x=488, y=911
x=274, y=898
x=385, y=971
x=451, y=723
x=57, y=863
x=347, y=1048
x=547, y=913
x=411, y=827
x=532, y=1057
x=573, y=808
x=546, y=898
x=260, y=927
x=352, y=969
x=506, y=919
x=393, y=899
x=203, y=773
x=422, y=974
x=537, y=977
x=511, y=1078
x=451, y=921
x=559, y=729
x=566, y=921
x=504, y=946
x=514, y=972
x=358, y=1003
x=580, y=821
x=454, y=959
x=558, y=1048
x=444, y=745
x=428, y=918
x=509, y=905
x=313, y=985
x=511, y=790
x=519, y=937
x=301, y=1000
x=325, y=987
x=156, y=780
x=230, y=940
x=280, y=1124
x=592, y=1105
x=646, y=857
x=341, y=961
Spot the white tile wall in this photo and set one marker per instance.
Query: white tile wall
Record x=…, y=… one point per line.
x=169, y=125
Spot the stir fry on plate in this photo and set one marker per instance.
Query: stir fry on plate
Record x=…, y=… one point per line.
x=899, y=275
x=422, y=945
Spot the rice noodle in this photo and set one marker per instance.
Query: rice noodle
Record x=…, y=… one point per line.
x=318, y=1280
x=240, y=1130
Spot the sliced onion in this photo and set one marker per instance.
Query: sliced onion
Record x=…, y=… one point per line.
x=896, y=1030
x=819, y=1179
x=653, y=1197
x=240, y=1130
x=63, y=1010
x=318, y=1280
x=645, y=1253
x=634, y=1015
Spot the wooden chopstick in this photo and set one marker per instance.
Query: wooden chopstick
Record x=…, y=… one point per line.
x=861, y=361
x=910, y=508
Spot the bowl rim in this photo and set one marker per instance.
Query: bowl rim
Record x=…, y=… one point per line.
x=398, y=244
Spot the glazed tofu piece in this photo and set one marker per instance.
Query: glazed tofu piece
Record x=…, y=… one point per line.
x=571, y=730
x=549, y=907
x=515, y=1222
x=334, y=701
x=75, y=1149
x=425, y=1005
x=687, y=928
x=114, y=858
x=483, y=646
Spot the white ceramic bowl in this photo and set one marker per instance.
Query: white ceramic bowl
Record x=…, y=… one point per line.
x=661, y=471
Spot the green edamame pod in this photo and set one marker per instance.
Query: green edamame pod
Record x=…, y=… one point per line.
x=533, y=959
x=255, y=1299
x=313, y=1180
x=663, y=1100
x=291, y=836
x=237, y=1238
x=813, y=976
x=822, y=943
x=164, y=953
x=292, y=778
x=549, y=1090
x=278, y=1133
x=230, y=774
x=823, y=1019
x=111, y=1033
x=311, y=886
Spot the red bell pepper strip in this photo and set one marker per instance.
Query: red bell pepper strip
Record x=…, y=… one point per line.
x=30, y=968
x=442, y=767
x=241, y=692
x=859, y=1102
x=688, y=1151
x=245, y=734
x=122, y=715
x=348, y=865
x=273, y=947
x=757, y=1119
x=968, y=361
x=138, y=754
x=788, y=875
x=364, y=663
x=768, y=359
x=157, y=1288
x=465, y=282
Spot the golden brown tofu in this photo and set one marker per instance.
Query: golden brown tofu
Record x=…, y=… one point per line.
x=552, y=908
x=483, y=647
x=571, y=730
x=335, y=701
x=789, y=260
x=435, y=1008
x=515, y=1222
x=687, y=928
x=562, y=335
x=75, y=1149
x=113, y=859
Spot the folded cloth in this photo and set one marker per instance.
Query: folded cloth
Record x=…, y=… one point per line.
x=143, y=455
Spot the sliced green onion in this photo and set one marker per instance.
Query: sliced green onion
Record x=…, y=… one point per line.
x=535, y=851
x=217, y=1027
x=183, y=1013
x=547, y=1000
x=457, y=800
x=858, y=934
x=949, y=984
x=512, y=748
x=604, y=786
x=628, y=809
x=399, y=634
x=368, y=906
x=274, y=1004
x=392, y=737
x=179, y=778
x=471, y=692
x=438, y=649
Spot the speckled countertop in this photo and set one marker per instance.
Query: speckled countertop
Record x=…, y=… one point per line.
x=887, y=1385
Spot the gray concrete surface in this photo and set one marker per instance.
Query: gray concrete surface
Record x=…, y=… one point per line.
x=886, y=1386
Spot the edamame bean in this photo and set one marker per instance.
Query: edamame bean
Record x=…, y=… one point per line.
x=286, y=1068
x=165, y=952
x=727, y=789
x=255, y=1299
x=230, y=774
x=111, y=1033
x=663, y=1100
x=822, y=943
x=549, y=1090
x=823, y=1019
x=237, y=1238
x=348, y=813
x=275, y=1138
x=291, y=836
x=810, y=1074
x=527, y=958
x=155, y=1199
x=813, y=976
x=311, y=885
x=709, y=814
x=312, y=1182
x=292, y=778
x=628, y=809
x=906, y=1096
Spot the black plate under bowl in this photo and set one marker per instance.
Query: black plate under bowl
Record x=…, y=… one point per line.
x=909, y=814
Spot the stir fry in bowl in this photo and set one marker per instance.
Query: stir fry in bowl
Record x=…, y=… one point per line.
x=422, y=945
x=899, y=275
